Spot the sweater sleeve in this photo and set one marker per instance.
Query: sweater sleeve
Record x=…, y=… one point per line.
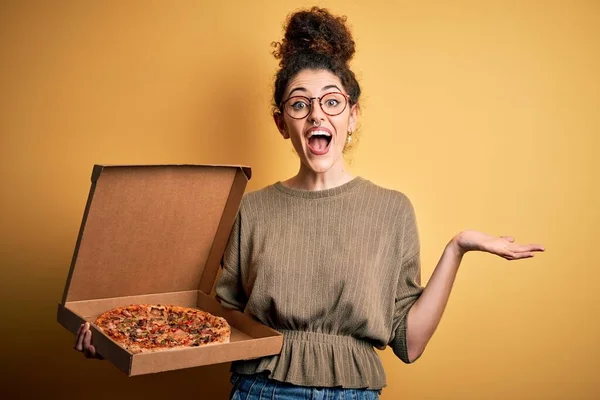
x=409, y=282
x=229, y=289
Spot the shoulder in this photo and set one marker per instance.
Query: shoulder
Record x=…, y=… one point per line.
x=258, y=202
x=398, y=199
x=257, y=196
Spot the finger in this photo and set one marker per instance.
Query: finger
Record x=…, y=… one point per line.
x=90, y=351
x=527, y=254
x=77, y=336
x=87, y=341
x=530, y=246
x=517, y=256
x=525, y=248
x=79, y=345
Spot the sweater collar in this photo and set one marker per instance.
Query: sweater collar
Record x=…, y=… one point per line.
x=319, y=194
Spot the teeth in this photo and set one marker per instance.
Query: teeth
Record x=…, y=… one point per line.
x=318, y=133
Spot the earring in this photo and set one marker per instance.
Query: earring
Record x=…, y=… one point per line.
x=349, y=138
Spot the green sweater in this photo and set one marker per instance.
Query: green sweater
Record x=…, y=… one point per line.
x=335, y=271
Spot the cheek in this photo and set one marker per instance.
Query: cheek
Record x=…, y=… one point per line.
x=341, y=125
x=294, y=132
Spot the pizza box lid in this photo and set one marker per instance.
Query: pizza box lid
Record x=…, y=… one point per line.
x=151, y=229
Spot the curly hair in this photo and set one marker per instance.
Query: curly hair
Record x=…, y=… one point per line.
x=315, y=39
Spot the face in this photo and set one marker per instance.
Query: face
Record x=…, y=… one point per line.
x=320, y=147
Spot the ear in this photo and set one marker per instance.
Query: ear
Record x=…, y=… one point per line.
x=280, y=123
x=353, y=118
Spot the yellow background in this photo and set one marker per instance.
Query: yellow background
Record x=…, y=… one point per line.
x=485, y=113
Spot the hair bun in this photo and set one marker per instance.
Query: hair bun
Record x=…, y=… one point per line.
x=316, y=31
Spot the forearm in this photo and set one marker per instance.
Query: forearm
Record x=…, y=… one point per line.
x=425, y=315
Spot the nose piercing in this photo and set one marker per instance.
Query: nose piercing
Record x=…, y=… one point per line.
x=315, y=122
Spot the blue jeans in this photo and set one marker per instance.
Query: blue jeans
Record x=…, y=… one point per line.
x=259, y=387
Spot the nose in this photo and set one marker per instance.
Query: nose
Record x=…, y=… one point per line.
x=316, y=112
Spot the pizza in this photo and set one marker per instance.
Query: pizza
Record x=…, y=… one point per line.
x=141, y=328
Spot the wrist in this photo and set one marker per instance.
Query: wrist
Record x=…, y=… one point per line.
x=455, y=245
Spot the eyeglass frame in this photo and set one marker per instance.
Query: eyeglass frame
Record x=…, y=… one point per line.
x=310, y=104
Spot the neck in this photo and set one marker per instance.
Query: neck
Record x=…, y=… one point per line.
x=308, y=179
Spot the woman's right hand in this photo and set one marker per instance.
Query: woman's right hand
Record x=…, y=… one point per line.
x=83, y=342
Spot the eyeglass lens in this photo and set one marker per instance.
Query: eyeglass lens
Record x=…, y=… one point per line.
x=300, y=106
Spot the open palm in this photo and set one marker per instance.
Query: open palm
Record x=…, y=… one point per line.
x=503, y=246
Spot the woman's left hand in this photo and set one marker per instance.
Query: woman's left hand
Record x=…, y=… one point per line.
x=503, y=246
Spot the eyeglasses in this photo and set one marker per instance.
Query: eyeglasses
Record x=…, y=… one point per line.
x=299, y=107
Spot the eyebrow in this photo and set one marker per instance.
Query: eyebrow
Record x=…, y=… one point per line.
x=302, y=89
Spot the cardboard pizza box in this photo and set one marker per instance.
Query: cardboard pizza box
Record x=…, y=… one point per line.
x=156, y=234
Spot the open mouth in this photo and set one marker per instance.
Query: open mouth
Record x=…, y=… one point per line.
x=319, y=141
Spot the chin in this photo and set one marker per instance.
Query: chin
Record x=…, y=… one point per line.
x=319, y=166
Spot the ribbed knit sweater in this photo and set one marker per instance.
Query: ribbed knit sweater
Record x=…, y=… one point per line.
x=335, y=271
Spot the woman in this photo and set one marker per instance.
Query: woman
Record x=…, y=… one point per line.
x=330, y=260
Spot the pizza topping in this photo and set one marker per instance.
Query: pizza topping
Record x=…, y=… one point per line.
x=156, y=312
x=154, y=327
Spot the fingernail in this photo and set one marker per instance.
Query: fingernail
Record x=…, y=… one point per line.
x=87, y=325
